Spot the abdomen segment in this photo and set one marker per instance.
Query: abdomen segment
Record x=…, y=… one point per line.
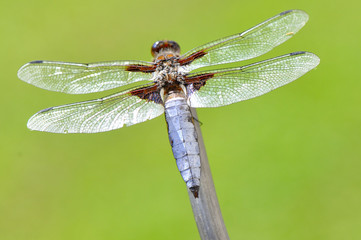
x=184, y=141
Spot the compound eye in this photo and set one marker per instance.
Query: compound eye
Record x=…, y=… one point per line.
x=157, y=46
x=174, y=46
x=163, y=46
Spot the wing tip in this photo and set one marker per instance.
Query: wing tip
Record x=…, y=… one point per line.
x=292, y=10
x=46, y=109
x=314, y=56
x=22, y=70
x=301, y=15
x=30, y=126
x=36, y=61
x=285, y=12
x=297, y=53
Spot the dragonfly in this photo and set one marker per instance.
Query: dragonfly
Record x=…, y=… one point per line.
x=172, y=84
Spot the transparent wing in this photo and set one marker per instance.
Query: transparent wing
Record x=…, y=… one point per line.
x=100, y=115
x=249, y=44
x=77, y=78
x=223, y=87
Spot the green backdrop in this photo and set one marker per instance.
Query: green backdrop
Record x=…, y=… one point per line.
x=286, y=165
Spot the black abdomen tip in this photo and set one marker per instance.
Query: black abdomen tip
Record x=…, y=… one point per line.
x=195, y=191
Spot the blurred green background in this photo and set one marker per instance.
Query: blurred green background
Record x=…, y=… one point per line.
x=286, y=165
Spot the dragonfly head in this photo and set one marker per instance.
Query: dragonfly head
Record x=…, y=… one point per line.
x=165, y=46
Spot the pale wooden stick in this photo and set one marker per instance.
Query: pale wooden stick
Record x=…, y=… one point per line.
x=206, y=210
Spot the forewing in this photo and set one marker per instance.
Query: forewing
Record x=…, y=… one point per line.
x=249, y=44
x=223, y=87
x=77, y=78
x=100, y=115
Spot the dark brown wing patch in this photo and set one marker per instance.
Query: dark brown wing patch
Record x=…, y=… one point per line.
x=198, y=81
x=140, y=68
x=192, y=57
x=150, y=93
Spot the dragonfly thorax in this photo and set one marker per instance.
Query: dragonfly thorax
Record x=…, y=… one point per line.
x=168, y=71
